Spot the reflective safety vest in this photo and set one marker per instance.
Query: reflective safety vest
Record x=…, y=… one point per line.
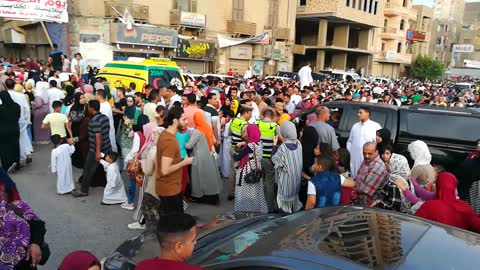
x=236, y=128
x=268, y=130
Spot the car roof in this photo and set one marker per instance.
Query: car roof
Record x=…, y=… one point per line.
x=370, y=237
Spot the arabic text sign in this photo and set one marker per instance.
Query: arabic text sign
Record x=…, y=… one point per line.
x=43, y=10
x=189, y=48
x=463, y=48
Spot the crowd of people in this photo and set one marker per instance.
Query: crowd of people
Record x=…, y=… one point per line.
x=214, y=137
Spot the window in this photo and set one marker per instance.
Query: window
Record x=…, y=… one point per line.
x=273, y=11
x=185, y=5
x=354, y=3
x=378, y=116
x=375, y=8
x=238, y=10
x=399, y=47
x=365, y=2
x=405, y=3
x=383, y=46
x=402, y=24
x=432, y=125
x=360, y=4
x=302, y=3
x=385, y=23
x=370, y=7
x=348, y=3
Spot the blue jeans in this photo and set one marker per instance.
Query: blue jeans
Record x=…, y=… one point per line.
x=29, y=132
x=132, y=186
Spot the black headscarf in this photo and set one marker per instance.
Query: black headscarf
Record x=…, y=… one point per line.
x=385, y=135
x=142, y=120
x=9, y=110
x=70, y=94
x=309, y=143
x=76, y=104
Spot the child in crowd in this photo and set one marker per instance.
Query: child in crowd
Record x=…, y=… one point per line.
x=57, y=121
x=61, y=164
x=325, y=187
x=114, y=192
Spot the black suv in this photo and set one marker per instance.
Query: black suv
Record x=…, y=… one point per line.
x=450, y=133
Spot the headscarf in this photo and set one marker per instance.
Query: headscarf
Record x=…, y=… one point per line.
x=30, y=82
x=21, y=77
x=204, y=128
x=79, y=260
x=254, y=136
x=309, y=142
x=419, y=153
x=130, y=110
x=69, y=98
x=385, y=135
x=140, y=121
x=284, y=117
x=41, y=90
x=447, y=209
x=76, y=103
x=8, y=106
x=18, y=88
x=87, y=88
x=8, y=186
x=288, y=132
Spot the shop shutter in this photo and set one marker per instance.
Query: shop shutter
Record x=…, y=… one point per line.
x=195, y=67
x=240, y=65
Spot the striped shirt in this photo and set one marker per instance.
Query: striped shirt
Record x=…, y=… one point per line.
x=99, y=124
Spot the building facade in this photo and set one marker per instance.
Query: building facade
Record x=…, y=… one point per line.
x=449, y=10
x=423, y=25
x=185, y=31
x=336, y=34
x=393, y=52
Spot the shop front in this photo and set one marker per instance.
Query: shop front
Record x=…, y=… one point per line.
x=195, y=56
x=141, y=41
x=240, y=57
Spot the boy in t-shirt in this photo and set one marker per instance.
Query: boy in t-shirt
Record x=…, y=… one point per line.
x=325, y=187
x=57, y=121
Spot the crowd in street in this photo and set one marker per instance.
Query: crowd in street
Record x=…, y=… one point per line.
x=191, y=145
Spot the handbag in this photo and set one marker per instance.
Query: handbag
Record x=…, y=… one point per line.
x=254, y=176
x=134, y=170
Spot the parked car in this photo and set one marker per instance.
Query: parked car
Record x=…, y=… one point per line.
x=450, y=133
x=344, y=237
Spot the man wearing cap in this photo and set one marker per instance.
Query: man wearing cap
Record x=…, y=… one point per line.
x=237, y=126
x=268, y=129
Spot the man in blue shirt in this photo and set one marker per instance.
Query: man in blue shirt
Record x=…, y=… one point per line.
x=55, y=58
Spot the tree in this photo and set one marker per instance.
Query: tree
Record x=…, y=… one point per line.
x=425, y=68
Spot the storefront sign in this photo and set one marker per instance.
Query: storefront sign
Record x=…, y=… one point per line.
x=416, y=36
x=145, y=35
x=241, y=52
x=463, y=48
x=193, y=19
x=390, y=55
x=189, y=48
x=471, y=63
x=28, y=10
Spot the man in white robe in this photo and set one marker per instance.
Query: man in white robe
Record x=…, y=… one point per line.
x=361, y=133
x=106, y=109
x=305, y=74
x=25, y=143
x=61, y=164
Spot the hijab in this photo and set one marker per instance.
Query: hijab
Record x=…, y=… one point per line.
x=283, y=118
x=385, y=135
x=309, y=142
x=419, y=153
x=254, y=137
x=204, y=128
x=140, y=121
x=8, y=107
x=447, y=209
x=41, y=90
x=79, y=260
x=288, y=132
x=76, y=103
x=87, y=88
x=130, y=110
x=8, y=186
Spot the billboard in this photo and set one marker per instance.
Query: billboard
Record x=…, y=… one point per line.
x=413, y=35
x=463, y=48
x=42, y=10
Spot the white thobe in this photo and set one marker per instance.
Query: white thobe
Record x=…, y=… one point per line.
x=305, y=74
x=360, y=134
x=54, y=94
x=255, y=114
x=114, y=191
x=106, y=109
x=25, y=143
x=61, y=163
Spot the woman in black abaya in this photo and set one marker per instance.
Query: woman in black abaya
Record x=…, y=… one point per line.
x=9, y=132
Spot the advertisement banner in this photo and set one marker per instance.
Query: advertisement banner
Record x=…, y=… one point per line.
x=145, y=35
x=241, y=52
x=28, y=10
x=193, y=19
x=463, y=48
x=197, y=49
x=224, y=41
x=257, y=68
x=471, y=63
x=413, y=35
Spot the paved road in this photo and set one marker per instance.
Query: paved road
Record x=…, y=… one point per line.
x=81, y=223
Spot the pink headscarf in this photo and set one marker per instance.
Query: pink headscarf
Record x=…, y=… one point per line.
x=87, y=88
x=21, y=77
x=148, y=132
x=254, y=136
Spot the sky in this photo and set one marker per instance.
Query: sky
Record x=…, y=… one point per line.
x=430, y=2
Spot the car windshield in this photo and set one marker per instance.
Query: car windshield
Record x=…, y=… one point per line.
x=164, y=78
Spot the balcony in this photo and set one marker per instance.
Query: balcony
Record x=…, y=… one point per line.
x=281, y=33
x=390, y=33
x=394, y=9
x=394, y=57
x=241, y=27
x=188, y=19
x=138, y=12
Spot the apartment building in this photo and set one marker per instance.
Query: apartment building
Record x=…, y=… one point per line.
x=336, y=34
x=444, y=34
x=423, y=25
x=393, y=52
x=449, y=10
x=186, y=31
